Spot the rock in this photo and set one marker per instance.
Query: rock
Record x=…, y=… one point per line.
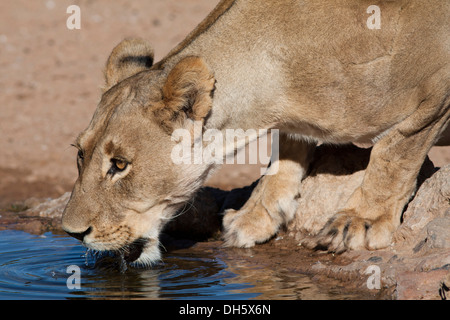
x=432, y=201
x=52, y=208
x=419, y=286
x=37, y=217
x=334, y=175
x=33, y=202
x=445, y=288
x=438, y=232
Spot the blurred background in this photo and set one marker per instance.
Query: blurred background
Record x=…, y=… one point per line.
x=50, y=80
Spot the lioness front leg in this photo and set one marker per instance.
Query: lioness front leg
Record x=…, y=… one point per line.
x=274, y=200
x=373, y=212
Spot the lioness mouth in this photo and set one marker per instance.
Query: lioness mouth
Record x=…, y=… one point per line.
x=133, y=251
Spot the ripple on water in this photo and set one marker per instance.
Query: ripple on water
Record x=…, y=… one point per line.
x=35, y=267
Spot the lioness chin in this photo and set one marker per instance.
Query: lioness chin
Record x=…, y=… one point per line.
x=311, y=69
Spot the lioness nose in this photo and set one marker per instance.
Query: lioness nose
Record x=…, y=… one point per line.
x=80, y=236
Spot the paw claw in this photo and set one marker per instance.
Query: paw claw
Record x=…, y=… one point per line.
x=345, y=232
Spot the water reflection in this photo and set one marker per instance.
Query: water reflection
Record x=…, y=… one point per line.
x=35, y=267
x=278, y=283
x=180, y=276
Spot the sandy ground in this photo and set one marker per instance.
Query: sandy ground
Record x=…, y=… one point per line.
x=51, y=76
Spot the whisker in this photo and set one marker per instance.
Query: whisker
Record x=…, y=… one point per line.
x=161, y=245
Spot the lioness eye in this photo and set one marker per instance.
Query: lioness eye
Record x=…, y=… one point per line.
x=80, y=155
x=117, y=166
x=80, y=159
x=121, y=165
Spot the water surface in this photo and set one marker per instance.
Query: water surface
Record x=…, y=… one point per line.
x=41, y=267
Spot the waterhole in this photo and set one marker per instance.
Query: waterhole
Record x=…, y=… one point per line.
x=42, y=267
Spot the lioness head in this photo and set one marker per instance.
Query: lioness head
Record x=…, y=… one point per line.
x=128, y=187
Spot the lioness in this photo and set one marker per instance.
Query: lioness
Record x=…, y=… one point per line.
x=314, y=70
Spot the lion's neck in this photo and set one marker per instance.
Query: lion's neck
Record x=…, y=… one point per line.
x=248, y=82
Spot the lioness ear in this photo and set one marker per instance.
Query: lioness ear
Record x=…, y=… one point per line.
x=187, y=93
x=128, y=58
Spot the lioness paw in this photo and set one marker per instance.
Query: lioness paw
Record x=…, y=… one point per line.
x=346, y=231
x=244, y=228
